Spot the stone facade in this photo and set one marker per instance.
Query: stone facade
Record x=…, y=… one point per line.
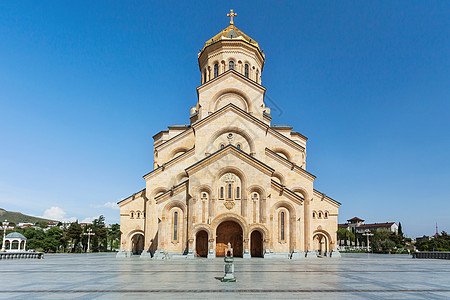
x=229, y=176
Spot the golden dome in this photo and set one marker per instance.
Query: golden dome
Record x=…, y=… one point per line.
x=231, y=33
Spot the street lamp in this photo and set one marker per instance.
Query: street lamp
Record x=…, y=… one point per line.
x=4, y=226
x=367, y=234
x=89, y=233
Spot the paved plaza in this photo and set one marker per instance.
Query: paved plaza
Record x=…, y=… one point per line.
x=102, y=276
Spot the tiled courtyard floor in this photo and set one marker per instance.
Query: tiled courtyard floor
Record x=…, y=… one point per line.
x=102, y=276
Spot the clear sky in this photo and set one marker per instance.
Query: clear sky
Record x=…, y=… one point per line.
x=85, y=85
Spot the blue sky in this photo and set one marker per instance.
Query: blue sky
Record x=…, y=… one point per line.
x=85, y=85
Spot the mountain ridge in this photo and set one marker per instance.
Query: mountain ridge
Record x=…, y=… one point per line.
x=17, y=217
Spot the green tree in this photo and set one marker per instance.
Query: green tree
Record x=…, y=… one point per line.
x=74, y=233
x=114, y=236
x=101, y=234
x=400, y=231
x=345, y=235
x=438, y=243
x=35, y=238
x=52, y=240
x=383, y=240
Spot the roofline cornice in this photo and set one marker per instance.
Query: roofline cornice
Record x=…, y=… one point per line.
x=261, y=55
x=132, y=197
x=291, y=164
x=169, y=193
x=256, y=120
x=168, y=163
x=288, y=191
x=172, y=139
x=254, y=83
x=329, y=199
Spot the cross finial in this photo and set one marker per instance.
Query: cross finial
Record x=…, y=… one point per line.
x=231, y=15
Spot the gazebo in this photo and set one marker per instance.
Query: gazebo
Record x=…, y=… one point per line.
x=15, y=242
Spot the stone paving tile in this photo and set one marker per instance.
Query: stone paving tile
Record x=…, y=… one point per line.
x=102, y=276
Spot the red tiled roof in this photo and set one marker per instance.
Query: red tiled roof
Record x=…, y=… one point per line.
x=388, y=224
x=355, y=219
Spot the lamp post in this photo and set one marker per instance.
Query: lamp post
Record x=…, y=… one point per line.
x=367, y=234
x=4, y=226
x=89, y=233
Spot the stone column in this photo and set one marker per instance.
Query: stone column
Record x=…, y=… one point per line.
x=211, y=249
x=307, y=233
x=246, y=249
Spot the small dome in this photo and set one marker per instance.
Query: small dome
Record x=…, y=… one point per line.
x=230, y=33
x=15, y=235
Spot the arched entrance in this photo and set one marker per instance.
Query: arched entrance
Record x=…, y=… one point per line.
x=137, y=242
x=201, y=243
x=229, y=232
x=256, y=244
x=320, y=243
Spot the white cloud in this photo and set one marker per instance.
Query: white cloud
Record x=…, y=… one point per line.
x=57, y=213
x=111, y=205
x=88, y=219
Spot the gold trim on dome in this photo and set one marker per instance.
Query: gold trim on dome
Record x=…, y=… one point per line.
x=232, y=33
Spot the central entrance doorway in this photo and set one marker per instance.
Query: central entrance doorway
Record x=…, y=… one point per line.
x=229, y=232
x=256, y=244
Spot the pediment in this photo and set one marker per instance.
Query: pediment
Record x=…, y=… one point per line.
x=231, y=78
x=222, y=158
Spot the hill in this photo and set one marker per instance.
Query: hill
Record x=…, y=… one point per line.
x=17, y=217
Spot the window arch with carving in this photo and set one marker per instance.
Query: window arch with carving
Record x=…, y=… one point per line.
x=216, y=70
x=175, y=226
x=231, y=65
x=230, y=187
x=283, y=218
x=246, y=70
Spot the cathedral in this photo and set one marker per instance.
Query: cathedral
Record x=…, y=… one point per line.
x=229, y=177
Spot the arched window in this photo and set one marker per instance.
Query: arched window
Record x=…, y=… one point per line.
x=326, y=215
x=216, y=70
x=229, y=191
x=222, y=146
x=320, y=215
x=175, y=226
x=204, y=76
x=143, y=214
x=255, y=196
x=314, y=214
x=231, y=64
x=282, y=225
x=237, y=193
x=246, y=70
x=221, y=192
x=138, y=214
x=132, y=214
x=257, y=76
x=238, y=146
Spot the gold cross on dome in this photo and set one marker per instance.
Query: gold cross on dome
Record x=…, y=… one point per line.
x=231, y=15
